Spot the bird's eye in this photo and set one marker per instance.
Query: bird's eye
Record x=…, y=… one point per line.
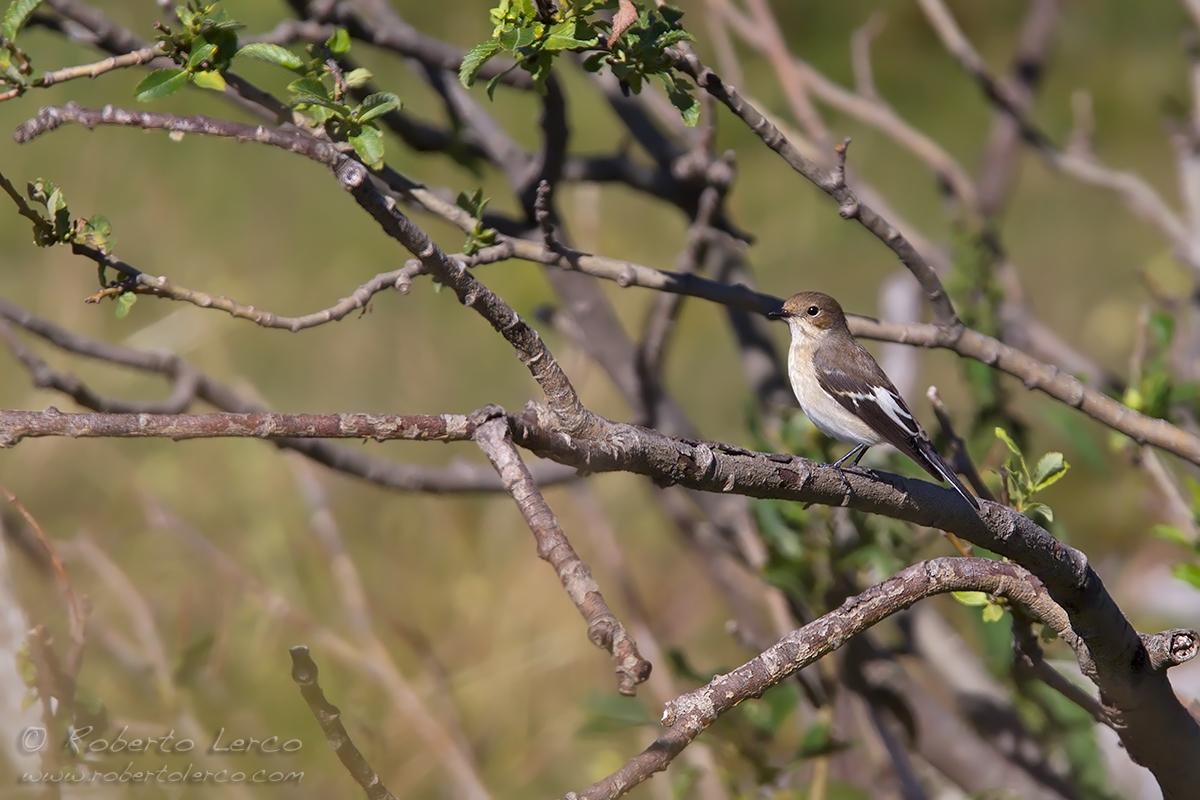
x=813, y=311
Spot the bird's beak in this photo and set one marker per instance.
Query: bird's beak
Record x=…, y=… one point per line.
x=780, y=314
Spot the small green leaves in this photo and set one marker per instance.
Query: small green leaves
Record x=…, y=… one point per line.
x=1022, y=485
x=95, y=232
x=209, y=79
x=18, y=13
x=682, y=98
x=339, y=43
x=479, y=237
x=320, y=93
x=1187, y=572
x=474, y=60
x=993, y=610
x=202, y=49
x=125, y=302
x=368, y=145
x=635, y=44
x=56, y=227
x=374, y=106
x=605, y=714
x=159, y=84
x=1049, y=469
x=273, y=54
x=358, y=77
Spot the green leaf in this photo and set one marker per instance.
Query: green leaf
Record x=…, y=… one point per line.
x=1171, y=534
x=684, y=101
x=474, y=60
x=209, y=79
x=358, y=77
x=124, y=303
x=1189, y=573
x=971, y=598
x=769, y=711
x=819, y=740
x=493, y=83
x=473, y=203
x=376, y=105
x=596, y=61
x=1003, y=436
x=18, y=13
x=368, y=144
x=339, y=43
x=1033, y=510
x=608, y=713
x=563, y=36
x=200, y=54
x=1050, y=468
x=159, y=84
x=993, y=613
x=273, y=54
x=95, y=232
x=1162, y=329
x=308, y=86
x=513, y=39
x=311, y=91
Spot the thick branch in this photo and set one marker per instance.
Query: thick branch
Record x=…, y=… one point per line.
x=687, y=716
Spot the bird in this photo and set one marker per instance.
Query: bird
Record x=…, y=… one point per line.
x=846, y=394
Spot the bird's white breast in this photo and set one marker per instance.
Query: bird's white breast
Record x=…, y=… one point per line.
x=830, y=416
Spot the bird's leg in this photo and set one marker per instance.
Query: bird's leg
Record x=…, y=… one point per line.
x=858, y=452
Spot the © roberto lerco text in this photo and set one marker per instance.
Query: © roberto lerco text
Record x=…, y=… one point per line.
x=223, y=742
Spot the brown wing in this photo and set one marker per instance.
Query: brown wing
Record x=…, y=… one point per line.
x=857, y=382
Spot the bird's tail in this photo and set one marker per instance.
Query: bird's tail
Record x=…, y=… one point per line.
x=938, y=467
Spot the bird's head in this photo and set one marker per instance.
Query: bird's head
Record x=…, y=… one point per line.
x=810, y=314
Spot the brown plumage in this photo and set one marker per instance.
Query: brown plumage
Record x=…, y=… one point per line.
x=845, y=392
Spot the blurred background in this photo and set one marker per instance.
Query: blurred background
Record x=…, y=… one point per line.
x=478, y=625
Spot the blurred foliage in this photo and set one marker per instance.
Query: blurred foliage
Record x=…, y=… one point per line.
x=269, y=229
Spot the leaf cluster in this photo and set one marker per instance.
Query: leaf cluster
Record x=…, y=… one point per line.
x=1187, y=571
x=203, y=46
x=1153, y=389
x=319, y=91
x=479, y=237
x=1020, y=484
x=57, y=226
x=533, y=35
x=15, y=66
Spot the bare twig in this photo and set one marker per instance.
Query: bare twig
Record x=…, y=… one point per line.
x=1028, y=655
x=77, y=607
x=329, y=717
x=958, y=448
x=850, y=206
x=135, y=59
x=1139, y=196
x=604, y=629
x=192, y=385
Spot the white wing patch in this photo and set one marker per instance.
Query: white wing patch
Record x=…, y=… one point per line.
x=890, y=404
x=894, y=408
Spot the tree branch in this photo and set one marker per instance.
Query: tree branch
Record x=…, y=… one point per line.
x=604, y=629
x=688, y=715
x=832, y=183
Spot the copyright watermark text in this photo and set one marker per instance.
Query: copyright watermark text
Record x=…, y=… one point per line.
x=132, y=774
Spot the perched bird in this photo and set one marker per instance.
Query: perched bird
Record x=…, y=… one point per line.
x=846, y=394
